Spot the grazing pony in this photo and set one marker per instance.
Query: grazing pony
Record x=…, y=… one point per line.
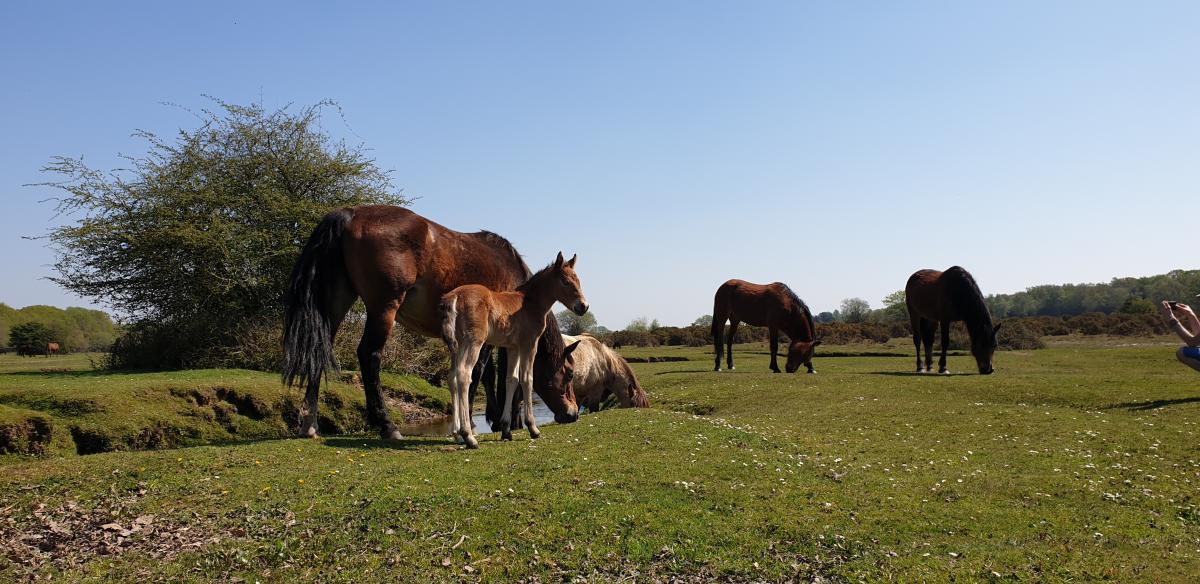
x=51, y=349
x=400, y=264
x=473, y=315
x=944, y=297
x=772, y=305
x=599, y=373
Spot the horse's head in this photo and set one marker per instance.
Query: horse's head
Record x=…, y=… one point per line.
x=566, y=285
x=983, y=346
x=554, y=381
x=800, y=353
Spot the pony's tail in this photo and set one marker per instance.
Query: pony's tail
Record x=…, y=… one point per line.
x=448, y=309
x=307, y=346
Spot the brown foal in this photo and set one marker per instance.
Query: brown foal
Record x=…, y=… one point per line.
x=473, y=315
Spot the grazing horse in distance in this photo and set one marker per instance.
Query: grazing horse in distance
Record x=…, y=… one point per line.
x=936, y=297
x=600, y=373
x=51, y=349
x=400, y=264
x=774, y=306
x=473, y=315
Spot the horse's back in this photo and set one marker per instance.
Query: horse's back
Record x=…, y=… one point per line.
x=748, y=302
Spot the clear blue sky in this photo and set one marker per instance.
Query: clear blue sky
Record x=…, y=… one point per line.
x=835, y=146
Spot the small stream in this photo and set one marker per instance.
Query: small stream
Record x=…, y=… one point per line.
x=441, y=426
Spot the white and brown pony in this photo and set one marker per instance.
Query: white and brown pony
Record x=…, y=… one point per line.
x=599, y=374
x=474, y=315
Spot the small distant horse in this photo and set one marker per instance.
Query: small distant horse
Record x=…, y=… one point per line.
x=772, y=305
x=51, y=349
x=400, y=264
x=473, y=315
x=599, y=373
x=943, y=297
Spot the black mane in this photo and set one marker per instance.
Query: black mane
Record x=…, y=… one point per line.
x=967, y=297
x=805, y=313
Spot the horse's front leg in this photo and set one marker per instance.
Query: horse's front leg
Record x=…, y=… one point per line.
x=308, y=418
x=510, y=389
x=527, y=389
x=773, y=336
x=945, y=344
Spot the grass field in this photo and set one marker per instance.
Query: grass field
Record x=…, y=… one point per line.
x=1075, y=463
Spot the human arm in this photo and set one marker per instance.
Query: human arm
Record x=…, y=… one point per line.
x=1189, y=331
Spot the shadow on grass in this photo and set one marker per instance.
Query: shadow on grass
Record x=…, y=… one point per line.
x=53, y=372
x=683, y=371
x=915, y=374
x=1152, y=404
x=366, y=443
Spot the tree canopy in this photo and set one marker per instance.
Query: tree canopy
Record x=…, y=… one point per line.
x=200, y=233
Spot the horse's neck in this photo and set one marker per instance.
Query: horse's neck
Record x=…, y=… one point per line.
x=797, y=326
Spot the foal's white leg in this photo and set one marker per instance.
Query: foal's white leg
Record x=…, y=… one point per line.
x=466, y=362
x=510, y=389
x=527, y=388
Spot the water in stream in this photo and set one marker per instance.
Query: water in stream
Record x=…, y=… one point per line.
x=441, y=426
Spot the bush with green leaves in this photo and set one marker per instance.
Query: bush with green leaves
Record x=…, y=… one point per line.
x=30, y=338
x=195, y=241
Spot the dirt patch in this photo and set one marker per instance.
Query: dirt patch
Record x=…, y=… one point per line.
x=29, y=436
x=72, y=534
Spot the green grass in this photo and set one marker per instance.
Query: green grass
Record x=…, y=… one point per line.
x=1075, y=463
x=61, y=406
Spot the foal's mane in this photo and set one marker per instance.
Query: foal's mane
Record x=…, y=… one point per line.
x=804, y=311
x=549, y=342
x=966, y=296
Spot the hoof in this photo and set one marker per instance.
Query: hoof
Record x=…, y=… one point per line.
x=944, y=372
x=310, y=432
x=774, y=371
x=393, y=434
x=506, y=435
x=812, y=371
x=471, y=443
x=535, y=434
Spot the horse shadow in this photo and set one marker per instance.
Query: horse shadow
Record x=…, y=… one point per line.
x=364, y=443
x=1152, y=404
x=677, y=372
x=915, y=374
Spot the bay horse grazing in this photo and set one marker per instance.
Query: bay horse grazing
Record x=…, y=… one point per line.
x=936, y=297
x=599, y=373
x=474, y=316
x=400, y=264
x=774, y=306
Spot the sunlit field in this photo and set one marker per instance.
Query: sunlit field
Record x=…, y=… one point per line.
x=1074, y=463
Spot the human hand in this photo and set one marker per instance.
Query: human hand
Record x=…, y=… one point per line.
x=1166, y=307
x=1181, y=307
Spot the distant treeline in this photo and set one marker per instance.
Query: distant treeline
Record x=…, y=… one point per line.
x=74, y=329
x=1127, y=295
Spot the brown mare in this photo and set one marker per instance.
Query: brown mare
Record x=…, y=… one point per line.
x=473, y=315
x=400, y=264
x=936, y=297
x=772, y=305
x=600, y=373
x=51, y=349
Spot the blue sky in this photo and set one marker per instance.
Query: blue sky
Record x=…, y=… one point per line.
x=834, y=146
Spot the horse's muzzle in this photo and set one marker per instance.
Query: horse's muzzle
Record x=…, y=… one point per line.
x=567, y=417
x=580, y=308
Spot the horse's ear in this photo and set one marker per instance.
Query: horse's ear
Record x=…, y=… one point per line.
x=559, y=261
x=571, y=347
x=571, y=264
x=997, y=329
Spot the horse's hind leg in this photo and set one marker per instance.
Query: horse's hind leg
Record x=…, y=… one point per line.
x=510, y=389
x=927, y=333
x=341, y=298
x=527, y=392
x=945, y=344
x=378, y=327
x=483, y=372
x=718, y=334
x=465, y=363
x=733, y=326
x=915, y=323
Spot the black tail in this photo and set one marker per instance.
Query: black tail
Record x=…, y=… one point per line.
x=307, y=346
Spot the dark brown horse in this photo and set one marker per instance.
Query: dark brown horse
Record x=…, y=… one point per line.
x=774, y=306
x=936, y=297
x=400, y=264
